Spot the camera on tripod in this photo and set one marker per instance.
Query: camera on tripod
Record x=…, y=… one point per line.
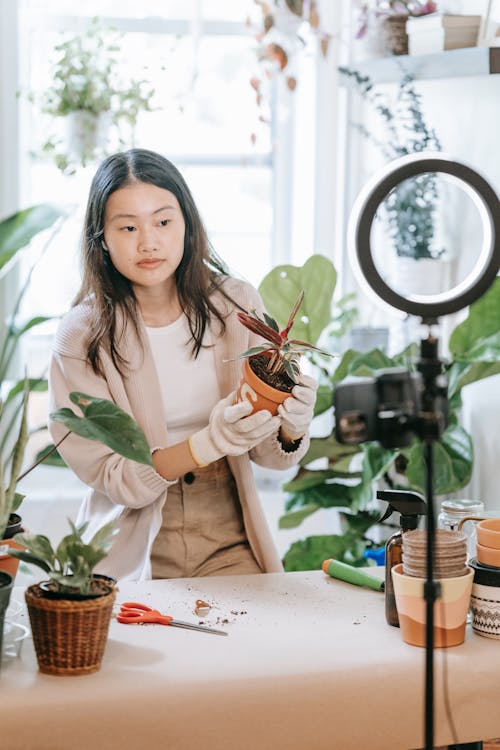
x=388, y=407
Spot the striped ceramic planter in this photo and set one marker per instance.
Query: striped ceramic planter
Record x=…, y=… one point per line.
x=450, y=609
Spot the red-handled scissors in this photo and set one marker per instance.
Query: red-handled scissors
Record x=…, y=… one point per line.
x=135, y=613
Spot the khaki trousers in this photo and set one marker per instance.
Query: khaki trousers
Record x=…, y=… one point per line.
x=202, y=532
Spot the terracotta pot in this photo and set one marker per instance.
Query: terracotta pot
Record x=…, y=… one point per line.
x=69, y=635
x=260, y=395
x=450, y=610
x=8, y=563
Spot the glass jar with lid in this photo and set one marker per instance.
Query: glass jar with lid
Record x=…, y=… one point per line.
x=452, y=512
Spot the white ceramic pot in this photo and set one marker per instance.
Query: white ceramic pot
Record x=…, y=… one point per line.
x=485, y=600
x=86, y=132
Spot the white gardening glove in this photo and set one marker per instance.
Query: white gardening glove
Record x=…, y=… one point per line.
x=296, y=412
x=230, y=431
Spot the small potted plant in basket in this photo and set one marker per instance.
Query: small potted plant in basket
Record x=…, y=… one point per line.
x=271, y=369
x=70, y=612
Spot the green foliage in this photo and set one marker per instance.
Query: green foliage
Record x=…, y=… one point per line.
x=86, y=78
x=410, y=207
x=106, y=423
x=102, y=420
x=16, y=231
x=346, y=478
x=281, y=286
x=70, y=567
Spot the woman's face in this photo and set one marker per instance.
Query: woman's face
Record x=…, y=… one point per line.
x=144, y=235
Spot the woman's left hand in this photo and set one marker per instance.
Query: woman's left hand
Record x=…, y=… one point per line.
x=297, y=411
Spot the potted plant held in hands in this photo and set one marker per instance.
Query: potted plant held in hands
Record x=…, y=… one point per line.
x=271, y=369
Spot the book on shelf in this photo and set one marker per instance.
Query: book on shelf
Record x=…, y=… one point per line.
x=441, y=31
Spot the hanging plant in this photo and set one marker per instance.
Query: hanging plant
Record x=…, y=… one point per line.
x=90, y=93
x=281, y=37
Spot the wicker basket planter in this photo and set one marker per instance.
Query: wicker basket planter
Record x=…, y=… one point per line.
x=69, y=635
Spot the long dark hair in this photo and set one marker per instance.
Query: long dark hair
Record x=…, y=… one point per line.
x=199, y=273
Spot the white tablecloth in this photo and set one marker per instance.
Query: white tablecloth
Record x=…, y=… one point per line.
x=309, y=664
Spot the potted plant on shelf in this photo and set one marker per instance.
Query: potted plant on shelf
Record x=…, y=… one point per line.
x=390, y=17
x=91, y=96
x=70, y=612
x=272, y=369
x=409, y=210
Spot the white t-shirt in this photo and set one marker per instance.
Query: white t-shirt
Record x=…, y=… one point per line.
x=189, y=386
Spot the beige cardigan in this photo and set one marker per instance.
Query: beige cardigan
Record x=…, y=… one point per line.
x=133, y=494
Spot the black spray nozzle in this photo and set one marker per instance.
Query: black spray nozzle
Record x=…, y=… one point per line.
x=409, y=504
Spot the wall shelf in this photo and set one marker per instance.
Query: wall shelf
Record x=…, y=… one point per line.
x=456, y=63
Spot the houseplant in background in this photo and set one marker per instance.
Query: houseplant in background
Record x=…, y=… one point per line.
x=410, y=209
x=281, y=34
x=91, y=96
x=389, y=18
x=343, y=477
x=16, y=232
x=70, y=612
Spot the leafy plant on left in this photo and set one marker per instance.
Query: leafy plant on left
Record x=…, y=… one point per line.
x=71, y=564
x=16, y=232
x=101, y=420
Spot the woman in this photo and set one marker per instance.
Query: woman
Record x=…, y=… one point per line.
x=152, y=329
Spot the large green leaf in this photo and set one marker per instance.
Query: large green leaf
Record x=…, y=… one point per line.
x=376, y=461
x=17, y=230
x=463, y=373
x=309, y=553
x=105, y=422
x=324, y=398
x=305, y=479
x=281, y=287
x=453, y=455
x=481, y=324
x=331, y=495
x=295, y=517
x=35, y=385
x=328, y=447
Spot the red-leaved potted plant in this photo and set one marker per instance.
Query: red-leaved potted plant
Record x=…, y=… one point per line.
x=271, y=369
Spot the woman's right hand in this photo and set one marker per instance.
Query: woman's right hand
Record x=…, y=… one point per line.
x=231, y=431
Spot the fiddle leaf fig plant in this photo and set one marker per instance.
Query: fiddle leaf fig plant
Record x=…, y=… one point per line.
x=343, y=477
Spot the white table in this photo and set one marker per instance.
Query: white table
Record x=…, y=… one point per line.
x=309, y=664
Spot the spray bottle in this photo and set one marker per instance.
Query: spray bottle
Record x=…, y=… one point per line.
x=410, y=505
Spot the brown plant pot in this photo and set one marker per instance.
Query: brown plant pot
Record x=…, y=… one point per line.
x=258, y=393
x=69, y=635
x=7, y=563
x=394, y=36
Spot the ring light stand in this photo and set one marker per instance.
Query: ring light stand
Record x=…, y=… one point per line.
x=432, y=420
